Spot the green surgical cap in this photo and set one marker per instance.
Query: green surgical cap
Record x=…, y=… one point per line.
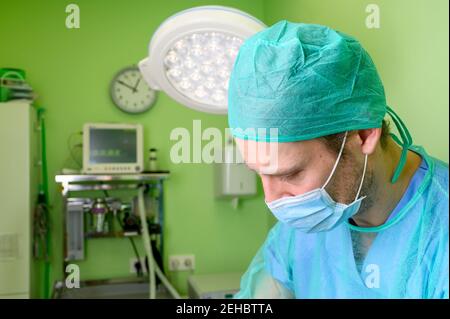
x=307, y=81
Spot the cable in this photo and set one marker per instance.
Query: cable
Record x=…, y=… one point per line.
x=147, y=245
x=133, y=244
x=70, y=147
x=166, y=282
x=153, y=266
x=45, y=199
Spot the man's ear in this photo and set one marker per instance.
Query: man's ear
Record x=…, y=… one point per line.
x=369, y=139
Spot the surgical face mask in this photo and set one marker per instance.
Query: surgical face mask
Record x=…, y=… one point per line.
x=316, y=211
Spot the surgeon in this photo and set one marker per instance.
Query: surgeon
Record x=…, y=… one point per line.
x=362, y=212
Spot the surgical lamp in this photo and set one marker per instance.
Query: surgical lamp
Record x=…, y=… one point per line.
x=192, y=53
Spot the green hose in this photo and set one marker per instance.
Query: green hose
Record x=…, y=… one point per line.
x=43, y=188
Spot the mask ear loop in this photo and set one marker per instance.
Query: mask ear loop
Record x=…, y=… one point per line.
x=337, y=161
x=362, y=178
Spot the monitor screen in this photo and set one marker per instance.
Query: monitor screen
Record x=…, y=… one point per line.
x=108, y=145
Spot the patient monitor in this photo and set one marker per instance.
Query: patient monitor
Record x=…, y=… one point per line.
x=112, y=148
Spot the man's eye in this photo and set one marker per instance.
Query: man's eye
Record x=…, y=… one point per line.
x=289, y=177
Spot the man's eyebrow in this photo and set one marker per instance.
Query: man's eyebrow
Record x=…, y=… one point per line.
x=289, y=170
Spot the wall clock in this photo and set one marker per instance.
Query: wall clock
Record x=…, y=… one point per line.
x=130, y=93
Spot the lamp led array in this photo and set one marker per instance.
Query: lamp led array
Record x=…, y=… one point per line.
x=192, y=53
x=199, y=65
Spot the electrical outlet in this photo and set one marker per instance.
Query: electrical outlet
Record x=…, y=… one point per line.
x=181, y=262
x=133, y=261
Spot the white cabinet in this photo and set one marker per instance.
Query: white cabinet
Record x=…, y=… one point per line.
x=18, y=185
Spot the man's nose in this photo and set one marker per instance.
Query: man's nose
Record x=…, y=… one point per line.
x=274, y=188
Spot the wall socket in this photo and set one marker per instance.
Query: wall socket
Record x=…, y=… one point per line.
x=133, y=261
x=181, y=262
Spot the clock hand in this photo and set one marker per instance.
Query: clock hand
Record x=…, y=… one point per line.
x=137, y=83
x=128, y=86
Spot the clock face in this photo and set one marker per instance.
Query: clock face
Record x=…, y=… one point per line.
x=130, y=92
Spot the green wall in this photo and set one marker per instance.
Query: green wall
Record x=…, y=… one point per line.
x=71, y=70
x=410, y=50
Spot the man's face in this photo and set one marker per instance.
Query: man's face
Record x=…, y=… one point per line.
x=306, y=165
